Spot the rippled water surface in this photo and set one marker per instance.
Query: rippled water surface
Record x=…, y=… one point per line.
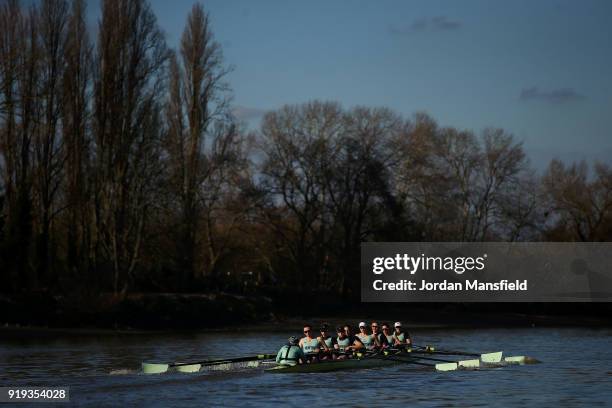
x=103, y=371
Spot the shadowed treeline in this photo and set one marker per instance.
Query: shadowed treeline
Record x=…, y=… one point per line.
x=124, y=170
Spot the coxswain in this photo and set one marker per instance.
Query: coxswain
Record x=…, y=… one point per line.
x=291, y=353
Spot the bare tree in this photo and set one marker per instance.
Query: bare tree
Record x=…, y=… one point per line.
x=326, y=173
x=48, y=151
x=130, y=62
x=459, y=157
x=11, y=45
x=298, y=144
x=14, y=164
x=21, y=76
x=503, y=164
x=123, y=164
x=580, y=205
x=456, y=183
x=203, y=144
x=75, y=117
x=520, y=214
x=356, y=178
x=427, y=177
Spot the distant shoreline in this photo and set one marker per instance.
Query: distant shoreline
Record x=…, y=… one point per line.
x=219, y=311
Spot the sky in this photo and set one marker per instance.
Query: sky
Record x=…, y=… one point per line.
x=542, y=69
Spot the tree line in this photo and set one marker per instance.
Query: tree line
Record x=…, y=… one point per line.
x=124, y=169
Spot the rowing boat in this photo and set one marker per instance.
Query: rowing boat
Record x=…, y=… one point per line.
x=383, y=360
x=334, y=365
x=422, y=356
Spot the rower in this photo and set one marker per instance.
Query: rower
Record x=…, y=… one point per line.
x=309, y=344
x=387, y=335
x=378, y=336
x=326, y=342
x=400, y=337
x=345, y=342
x=354, y=342
x=291, y=353
x=369, y=341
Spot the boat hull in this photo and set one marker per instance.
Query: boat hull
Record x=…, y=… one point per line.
x=333, y=365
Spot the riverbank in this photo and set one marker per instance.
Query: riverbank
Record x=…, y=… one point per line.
x=163, y=312
x=132, y=312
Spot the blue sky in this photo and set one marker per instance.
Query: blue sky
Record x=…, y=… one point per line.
x=540, y=69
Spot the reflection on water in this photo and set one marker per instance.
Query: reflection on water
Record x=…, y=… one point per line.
x=103, y=371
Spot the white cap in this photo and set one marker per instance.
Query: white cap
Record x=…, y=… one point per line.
x=397, y=324
x=363, y=324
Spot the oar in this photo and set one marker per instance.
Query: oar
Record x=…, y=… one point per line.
x=446, y=365
x=495, y=357
x=490, y=358
x=158, y=368
x=475, y=363
x=486, y=357
x=431, y=349
x=521, y=360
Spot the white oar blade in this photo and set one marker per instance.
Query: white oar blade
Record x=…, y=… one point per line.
x=491, y=357
x=469, y=363
x=253, y=364
x=154, y=368
x=515, y=359
x=191, y=368
x=446, y=366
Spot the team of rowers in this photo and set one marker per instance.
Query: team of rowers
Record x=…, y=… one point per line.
x=312, y=348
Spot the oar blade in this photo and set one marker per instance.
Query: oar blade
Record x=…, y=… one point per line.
x=521, y=360
x=154, y=368
x=491, y=357
x=191, y=368
x=446, y=366
x=469, y=363
x=515, y=359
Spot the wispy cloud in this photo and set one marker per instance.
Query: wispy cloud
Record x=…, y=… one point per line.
x=560, y=95
x=246, y=113
x=439, y=23
x=443, y=23
x=419, y=25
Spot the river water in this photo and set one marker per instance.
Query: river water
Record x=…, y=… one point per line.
x=102, y=370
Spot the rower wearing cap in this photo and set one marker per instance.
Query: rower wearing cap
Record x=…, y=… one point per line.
x=326, y=342
x=309, y=344
x=345, y=342
x=369, y=341
x=291, y=353
x=400, y=337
